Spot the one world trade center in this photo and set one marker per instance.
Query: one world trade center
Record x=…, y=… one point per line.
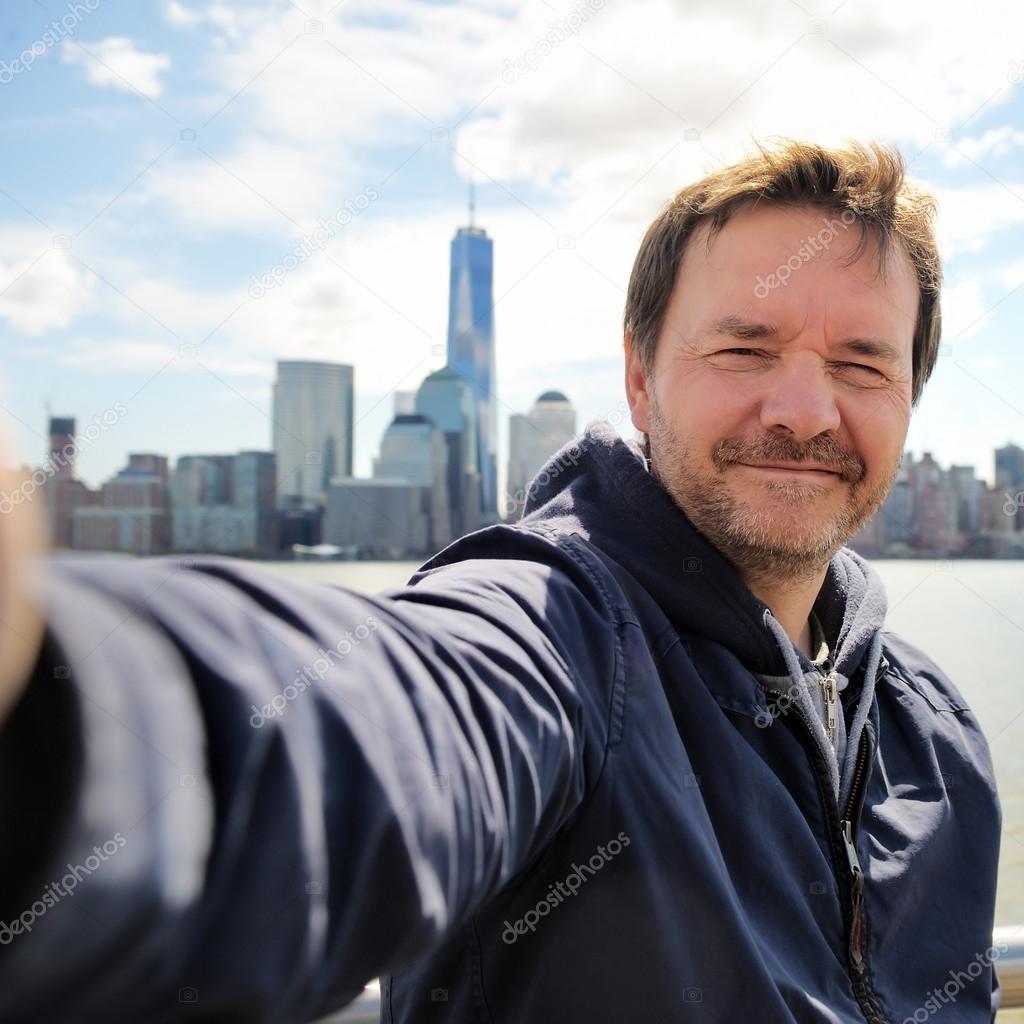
x=471, y=345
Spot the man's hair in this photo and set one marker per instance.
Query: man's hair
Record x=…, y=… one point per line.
x=866, y=180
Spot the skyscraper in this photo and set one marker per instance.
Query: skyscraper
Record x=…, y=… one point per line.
x=1009, y=466
x=413, y=449
x=533, y=439
x=62, y=447
x=471, y=344
x=223, y=502
x=62, y=491
x=380, y=518
x=133, y=511
x=313, y=427
x=447, y=400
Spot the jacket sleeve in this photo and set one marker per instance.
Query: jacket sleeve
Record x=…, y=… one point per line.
x=228, y=795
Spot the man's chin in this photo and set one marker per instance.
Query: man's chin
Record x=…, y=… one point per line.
x=791, y=534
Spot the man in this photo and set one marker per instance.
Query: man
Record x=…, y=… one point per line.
x=648, y=755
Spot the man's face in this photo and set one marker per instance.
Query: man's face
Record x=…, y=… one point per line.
x=777, y=412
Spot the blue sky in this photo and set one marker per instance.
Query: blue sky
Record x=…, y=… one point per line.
x=161, y=155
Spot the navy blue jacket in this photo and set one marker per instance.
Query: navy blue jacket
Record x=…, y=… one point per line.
x=544, y=782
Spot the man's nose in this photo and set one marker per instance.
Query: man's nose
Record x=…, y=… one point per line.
x=799, y=398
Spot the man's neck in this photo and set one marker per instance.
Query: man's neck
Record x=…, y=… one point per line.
x=791, y=604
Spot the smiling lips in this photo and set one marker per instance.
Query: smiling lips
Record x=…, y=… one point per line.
x=797, y=468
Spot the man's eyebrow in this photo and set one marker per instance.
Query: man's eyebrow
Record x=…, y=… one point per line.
x=749, y=330
x=738, y=327
x=871, y=347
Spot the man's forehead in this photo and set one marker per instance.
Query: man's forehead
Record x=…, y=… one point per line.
x=723, y=266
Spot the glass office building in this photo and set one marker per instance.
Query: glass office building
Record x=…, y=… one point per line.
x=313, y=427
x=471, y=346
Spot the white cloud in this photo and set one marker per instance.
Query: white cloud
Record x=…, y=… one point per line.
x=178, y=14
x=41, y=287
x=115, y=62
x=1012, y=275
x=226, y=18
x=126, y=354
x=260, y=185
x=598, y=127
x=971, y=216
x=986, y=363
x=964, y=310
x=995, y=142
x=130, y=354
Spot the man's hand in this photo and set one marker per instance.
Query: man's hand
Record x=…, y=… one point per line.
x=21, y=623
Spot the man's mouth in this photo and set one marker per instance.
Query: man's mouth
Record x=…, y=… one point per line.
x=806, y=470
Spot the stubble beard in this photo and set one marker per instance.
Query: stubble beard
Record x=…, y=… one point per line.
x=758, y=537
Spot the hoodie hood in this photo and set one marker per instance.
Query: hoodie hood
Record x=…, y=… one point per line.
x=598, y=485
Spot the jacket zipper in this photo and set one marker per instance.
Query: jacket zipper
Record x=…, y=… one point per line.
x=845, y=830
x=830, y=697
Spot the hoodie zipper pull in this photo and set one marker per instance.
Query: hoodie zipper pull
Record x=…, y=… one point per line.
x=857, y=899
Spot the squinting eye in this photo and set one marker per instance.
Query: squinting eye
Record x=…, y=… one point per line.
x=863, y=366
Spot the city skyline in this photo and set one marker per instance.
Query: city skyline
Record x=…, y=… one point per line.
x=425, y=492
x=986, y=471
x=205, y=229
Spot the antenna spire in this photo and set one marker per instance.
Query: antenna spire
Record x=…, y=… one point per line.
x=472, y=202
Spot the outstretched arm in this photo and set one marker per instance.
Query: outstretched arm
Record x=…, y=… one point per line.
x=229, y=789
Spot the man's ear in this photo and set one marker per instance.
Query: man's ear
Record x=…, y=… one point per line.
x=637, y=384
